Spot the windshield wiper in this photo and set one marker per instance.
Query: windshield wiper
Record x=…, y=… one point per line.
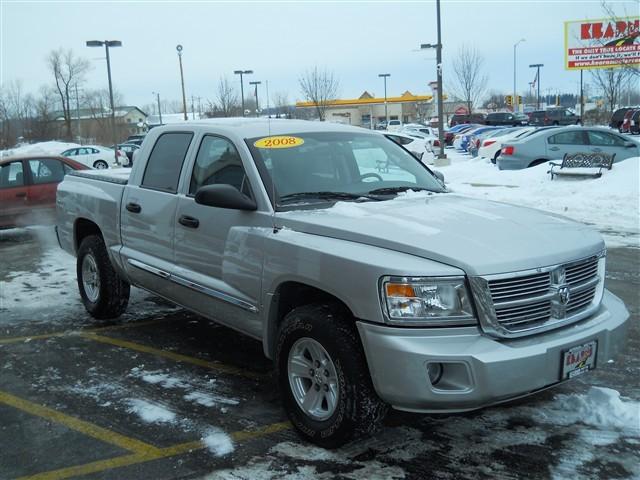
x=393, y=190
x=328, y=196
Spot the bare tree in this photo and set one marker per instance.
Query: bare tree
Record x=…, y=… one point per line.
x=610, y=83
x=44, y=105
x=319, y=87
x=470, y=81
x=282, y=104
x=227, y=97
x=67, y=70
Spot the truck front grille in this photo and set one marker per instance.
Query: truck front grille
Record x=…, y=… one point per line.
x=527, y=302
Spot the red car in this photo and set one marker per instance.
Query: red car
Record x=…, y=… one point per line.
x=28, y=188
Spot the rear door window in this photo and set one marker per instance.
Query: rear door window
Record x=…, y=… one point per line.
x=165, y=162
x=604, y=139
x=574, y=137
x=46, y=170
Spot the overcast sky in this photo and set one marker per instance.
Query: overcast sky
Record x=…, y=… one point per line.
x=357, y=40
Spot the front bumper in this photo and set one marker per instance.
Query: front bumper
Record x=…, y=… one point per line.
x=483, y=370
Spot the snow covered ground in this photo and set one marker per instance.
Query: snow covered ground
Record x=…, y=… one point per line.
x=610, y=203
x=43, y=148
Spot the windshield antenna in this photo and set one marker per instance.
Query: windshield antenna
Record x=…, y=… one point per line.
x=273, y=183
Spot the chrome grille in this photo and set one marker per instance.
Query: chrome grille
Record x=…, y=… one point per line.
x=532, y=300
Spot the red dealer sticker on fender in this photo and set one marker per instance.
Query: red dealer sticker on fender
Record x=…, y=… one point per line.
x=279, y=141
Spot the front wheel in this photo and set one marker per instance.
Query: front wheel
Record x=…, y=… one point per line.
x=104, y=294
x=323, y=376
x=100, y=164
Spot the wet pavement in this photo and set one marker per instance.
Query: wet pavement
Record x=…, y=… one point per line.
x=162, y=393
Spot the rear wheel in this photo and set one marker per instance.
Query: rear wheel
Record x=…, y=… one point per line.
x=104, y=294
x=100, y=164
x=323, y=376
x=536, y=163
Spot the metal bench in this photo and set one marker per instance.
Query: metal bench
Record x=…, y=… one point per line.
x=582, y=164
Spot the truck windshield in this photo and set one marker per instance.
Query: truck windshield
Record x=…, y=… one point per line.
x=330, y=166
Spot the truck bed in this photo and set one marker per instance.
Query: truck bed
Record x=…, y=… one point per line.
x=118, y=175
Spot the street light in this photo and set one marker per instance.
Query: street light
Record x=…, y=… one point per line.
x=184, y=97
x=241, y=73
x=255, y=84
x=386, y=112
x=159, y=109
x=516, y=108
x=107, y=44
x=537, y=66
x=442, y=159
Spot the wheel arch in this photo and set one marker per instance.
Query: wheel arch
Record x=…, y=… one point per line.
x=291, y=294
x=82, y=228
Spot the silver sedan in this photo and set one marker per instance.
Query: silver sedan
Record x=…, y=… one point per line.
x=552, y=144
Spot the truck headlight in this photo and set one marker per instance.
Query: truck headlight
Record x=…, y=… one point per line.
x=429, y=301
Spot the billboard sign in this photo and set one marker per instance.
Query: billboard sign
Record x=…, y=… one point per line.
x=602, y=43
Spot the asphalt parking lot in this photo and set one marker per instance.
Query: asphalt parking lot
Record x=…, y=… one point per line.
x=162, y=393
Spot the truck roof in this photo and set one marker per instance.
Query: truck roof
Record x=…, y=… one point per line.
x=255, y=127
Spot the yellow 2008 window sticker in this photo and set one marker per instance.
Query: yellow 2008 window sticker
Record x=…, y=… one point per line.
x=278, y=141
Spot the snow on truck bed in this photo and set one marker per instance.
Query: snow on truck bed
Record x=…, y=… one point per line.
x=114, y=175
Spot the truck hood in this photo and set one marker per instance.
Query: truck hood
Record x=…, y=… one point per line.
x=480, y=237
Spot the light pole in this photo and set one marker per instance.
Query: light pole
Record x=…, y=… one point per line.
x=107, y=44
x=386, y=112
x=255, y=84
x=184, y=97
x=241, y=73
x=516, y=107
x=159, y=109
x=537, y=66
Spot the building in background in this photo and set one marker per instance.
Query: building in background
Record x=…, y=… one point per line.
x=93, y=125
x=368, y=111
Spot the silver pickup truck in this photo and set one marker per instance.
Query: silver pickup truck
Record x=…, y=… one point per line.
x=368, y=283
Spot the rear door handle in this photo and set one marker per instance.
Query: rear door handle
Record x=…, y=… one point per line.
x=596, y=149
x=21, y=194
x=555, y=149
x=133, y=207
x=188, y=221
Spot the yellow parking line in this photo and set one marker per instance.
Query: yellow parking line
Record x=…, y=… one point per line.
x=126, y=460
x=78, y=425
x=178, y=357
x=44, y=336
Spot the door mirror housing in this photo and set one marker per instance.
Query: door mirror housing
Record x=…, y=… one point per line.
x=629, y=144
x=224, y=196
x=439, y=175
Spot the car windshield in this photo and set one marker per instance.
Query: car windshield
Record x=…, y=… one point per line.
x=320, y=167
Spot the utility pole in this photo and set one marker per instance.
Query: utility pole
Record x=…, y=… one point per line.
x=441, y=159
x=581, y=98
x=184, y=97
x=241, y=73
x=78, y=114
x=537, y=66
x=386, y=111
x=255, y=84
x=516, y=107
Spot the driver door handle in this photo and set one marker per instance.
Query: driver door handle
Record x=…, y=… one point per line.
x=596, y=149
x=188, y=221
x=133, y=207
x=555, y=149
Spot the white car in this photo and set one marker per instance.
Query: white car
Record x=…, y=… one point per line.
x=416, y=127
x=95, y=156
x=431, y=140
x=415, y=145
x=394, y=126
x=492, y=146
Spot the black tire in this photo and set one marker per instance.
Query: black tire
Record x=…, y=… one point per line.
x=359, y=410
x=556, y=123
x=100, y=165
x=535, y=163
x=112, y=292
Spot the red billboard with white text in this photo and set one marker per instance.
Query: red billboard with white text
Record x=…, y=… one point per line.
x=602, y=43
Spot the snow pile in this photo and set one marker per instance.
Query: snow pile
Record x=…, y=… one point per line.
x=611, y=203
x=599, y=407
x=42, y=148
x=218, y=442
x=150, y=412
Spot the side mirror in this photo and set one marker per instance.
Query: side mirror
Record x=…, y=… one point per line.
x=439, y=175
x=417, y=155
x=224, y=196
x=629, y=144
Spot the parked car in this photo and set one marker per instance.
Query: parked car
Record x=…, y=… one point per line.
x=128, y=149
x=422, y=129
x=635, y=123
x=394, y=126
x=552, y=144
x=135, y=139
x=473, y=118
x=626, y=121
x=28, y=188
x=554, y=116
x=364, y=297
x=491, y=145
x=450, y=135
x=95, y=156
x=381, y=125
x=506, y=119
x=618, y=116
x=416, y=145
x=467, y=136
